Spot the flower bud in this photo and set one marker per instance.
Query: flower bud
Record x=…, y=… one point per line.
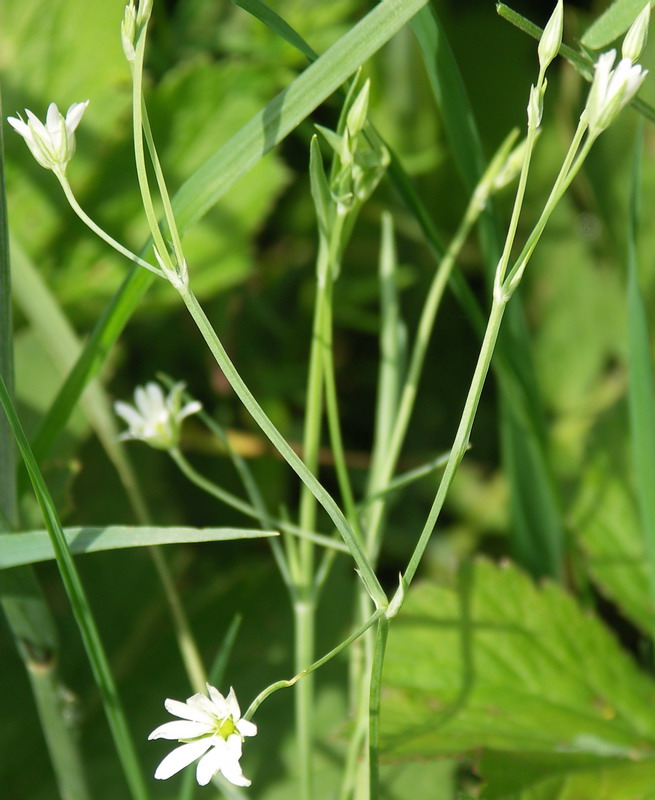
x=551, y=38
x=356, y=119
x=536, y=105
x=128, y=31
x=635, y=38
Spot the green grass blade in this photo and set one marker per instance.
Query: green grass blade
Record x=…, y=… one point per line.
x=21, y=597
x=537, y=518
x=641, y=392
x=286, y=111
x=80, y=606
x=8, y=504
x=33, y=629
x=33, y=546
x=210, y=181
x=58, y=339
x=275, y=22
x=96, y=349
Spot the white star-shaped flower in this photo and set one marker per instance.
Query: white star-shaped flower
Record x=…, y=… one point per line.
x=155, y=418
x=52, y=144
x=611, y=90
x=210, y=729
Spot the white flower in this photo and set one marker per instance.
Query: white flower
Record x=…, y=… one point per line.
x=156, y=419
x=210, y=729
x=52, y=144
x=611, y=90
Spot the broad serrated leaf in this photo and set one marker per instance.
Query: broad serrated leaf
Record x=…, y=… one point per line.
x=606, y=524
x=513, y=776
x=499, y=665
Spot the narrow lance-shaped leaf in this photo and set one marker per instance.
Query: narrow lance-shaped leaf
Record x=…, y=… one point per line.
x=33, y=546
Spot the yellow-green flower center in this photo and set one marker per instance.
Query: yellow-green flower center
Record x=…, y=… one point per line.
x=226, y=728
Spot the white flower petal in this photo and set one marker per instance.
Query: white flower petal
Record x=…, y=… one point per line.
x=186, y=710
x=74, y=115
x=212, y=762
x=233, y=704
x=190, y=408
x=19, y=126
x=221, y=705
x=207, y=707
x=180, y=757
x=180, y=729
x=246, y=728
x=231, y=768
x=128, y=413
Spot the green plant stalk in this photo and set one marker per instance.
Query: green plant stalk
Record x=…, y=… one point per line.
x=382, y=633
x=139, y=155
x=520, y=193
x=334, y=424
x=387, y=460
x=577, y=153
x=304, y=602
x=81, y=610
x=285, y=565
x=285, y=684
x=641, y=395
x=410, y=387
x=186, y=643
x=304, y=617
x=86, y=219
x=503, y=290
x=161, y=184
x=461, y=441
x=235, y=502
x=324, y=498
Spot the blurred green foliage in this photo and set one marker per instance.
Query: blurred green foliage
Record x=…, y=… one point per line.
x=210, y=68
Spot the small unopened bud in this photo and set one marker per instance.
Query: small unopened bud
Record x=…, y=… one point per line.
x=551, y=39
x=536, y=105
x=144, y=12
x=635, y=38
x=356, y=119
x=128, y=31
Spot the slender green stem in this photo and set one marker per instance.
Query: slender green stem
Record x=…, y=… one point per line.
x=410, y=387
x=245, y=508
x=461, y=441
x=285, y=684
x=139, y=154
x=81, y=610
x=520, y=193
x=161, y=184
x=304, y=615
x=334, y=426
x=382, y=633
x=86, y=219
x=324, y=498
x=568, y=171
x=193, y=663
